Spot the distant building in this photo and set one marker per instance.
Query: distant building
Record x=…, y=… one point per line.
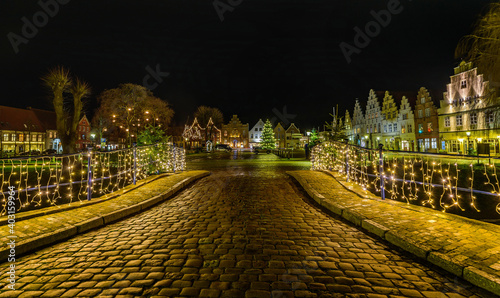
x=468, y=113
x=196, y=136
x=256, y=133
x=373, y=119
x=427, y=121
x=20, y=131
x=358, y=125
x=406, y=123
x=235, y=133
x=293, y=137
x=83, y=130
x=48, y=121
x=280, y=135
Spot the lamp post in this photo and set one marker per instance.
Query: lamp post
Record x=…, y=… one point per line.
x=468, y=136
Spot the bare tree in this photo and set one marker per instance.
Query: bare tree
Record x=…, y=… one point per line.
x=204, y=113
x=68, y=112
x=482, y=46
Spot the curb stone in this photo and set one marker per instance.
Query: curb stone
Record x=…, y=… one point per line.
x=474, y=275
x=33, y=244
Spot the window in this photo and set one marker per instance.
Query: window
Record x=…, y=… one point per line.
x=410, y=129
x=225, y=133
x=251, y=136
x=403, y=128
x=463, y=84
x=427, y=112
x=473, y=118
x=429, y=126
x=33, y=138
x=422, y=100
x=420, y=128
x=21, y=137
x=420, y=114
x=390, y=128
x=385, y=128
x=39, y=138
x=490, y=117
x=395, y=127
x=405, y=116
x=447, y=122
x=434, y=143
x=260, y=128
x=5, y=137
x=459, y=120
x=13, y=137
x=427, y=144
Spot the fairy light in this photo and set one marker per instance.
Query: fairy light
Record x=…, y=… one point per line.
x=409, y=177
x=54, y=180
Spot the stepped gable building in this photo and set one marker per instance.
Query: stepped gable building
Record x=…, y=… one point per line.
x=406, y=124
x=373, y=120
x=426, y=120
x=293, y=137
x=256, y=133
x=358, y=125
x=468, y=113
x=390, y=136
x=83, y=130
x=235, y=133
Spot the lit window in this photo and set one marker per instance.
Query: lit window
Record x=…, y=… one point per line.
x=403, y=129
x=473, y=118
x=434, y=143
x=422, y=100
x=429, y=126
x=420, y=128
x=447, y=122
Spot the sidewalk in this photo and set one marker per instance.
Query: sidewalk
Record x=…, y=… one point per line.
x=36, y=229
x=465, y=247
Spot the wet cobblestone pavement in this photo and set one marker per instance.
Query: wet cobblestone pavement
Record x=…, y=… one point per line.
x=244, y=231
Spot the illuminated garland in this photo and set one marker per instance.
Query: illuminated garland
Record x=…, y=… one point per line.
x=53, y=180
x=438, y=177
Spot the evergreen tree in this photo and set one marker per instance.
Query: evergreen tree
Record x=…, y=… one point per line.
x=268, y=141
x=314, y=139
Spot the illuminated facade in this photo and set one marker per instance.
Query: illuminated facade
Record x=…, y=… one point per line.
x=256, y=133
x=235, y=133
x=293, y=137
x=390, y=134
x=373, y=119
x=83, y=130
x=468, y=113
x=196, y=136
x=426, y=122
x=358, y=125
x=406, y=126
x=280, y=135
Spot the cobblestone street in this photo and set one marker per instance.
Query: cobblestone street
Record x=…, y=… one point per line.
x=245, y=231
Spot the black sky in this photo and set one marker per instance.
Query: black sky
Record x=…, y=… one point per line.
x=263, y=55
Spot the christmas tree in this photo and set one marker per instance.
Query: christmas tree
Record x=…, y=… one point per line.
x=268, y=141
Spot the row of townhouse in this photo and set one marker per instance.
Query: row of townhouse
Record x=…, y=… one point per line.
x=34, y=130
x=237, y=135
x=455, y=121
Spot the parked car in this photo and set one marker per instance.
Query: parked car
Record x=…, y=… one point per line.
x=223, y=147
x=258, y=150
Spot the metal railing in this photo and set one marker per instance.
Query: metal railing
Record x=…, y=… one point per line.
x=441, y=181
x=43, y=181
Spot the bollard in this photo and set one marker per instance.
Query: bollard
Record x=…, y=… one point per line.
x=134, y=178
x=89, y=174
x=381, y=161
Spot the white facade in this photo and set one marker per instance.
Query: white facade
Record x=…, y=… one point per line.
x=256, y=133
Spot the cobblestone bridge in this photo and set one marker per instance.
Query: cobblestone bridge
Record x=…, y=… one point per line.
x=245, y=231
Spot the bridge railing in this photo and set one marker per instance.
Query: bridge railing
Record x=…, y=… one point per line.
x=35, y=182
x=441, y=181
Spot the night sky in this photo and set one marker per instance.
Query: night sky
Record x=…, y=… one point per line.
x=264, y=55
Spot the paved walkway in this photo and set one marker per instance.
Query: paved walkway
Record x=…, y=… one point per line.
x=464, y=247
x=244, y=231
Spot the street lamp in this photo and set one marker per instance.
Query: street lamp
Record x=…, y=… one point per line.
x=468, y=144
x=92, y=137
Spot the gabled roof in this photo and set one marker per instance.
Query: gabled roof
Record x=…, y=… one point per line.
x=20, y=120
x=46, y=118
